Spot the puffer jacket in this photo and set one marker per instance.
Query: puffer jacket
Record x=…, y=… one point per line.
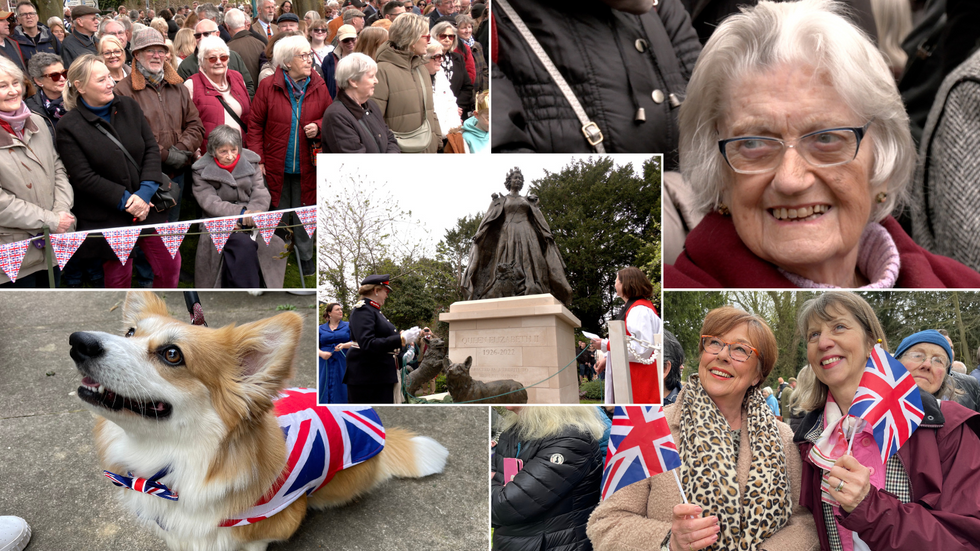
x=399, y=93
x=212, y=113
x=46, y=42
x=547, y=505
x=616, y=63
x=34, y=188
x=269, y=123
x=171, y=112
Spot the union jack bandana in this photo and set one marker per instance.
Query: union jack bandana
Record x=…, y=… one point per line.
x=320, y=442
x=308, y=217
x=143, y=485
x=173, y=235
x=266, y=222
x=65, y=245
x=122, y=241
x=11, y=257
x=220, y=231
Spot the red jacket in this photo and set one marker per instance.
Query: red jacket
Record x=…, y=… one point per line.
x=942, y=459
x=212, y=113
x=467, y=54
x=269, y=123
x=715, y=257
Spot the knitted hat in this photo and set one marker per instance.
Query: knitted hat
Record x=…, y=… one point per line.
x=144, y=38
x=345, y=32
x=930, y=336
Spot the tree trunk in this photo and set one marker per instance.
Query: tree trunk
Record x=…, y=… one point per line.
x=47, y=9
x=964, y=348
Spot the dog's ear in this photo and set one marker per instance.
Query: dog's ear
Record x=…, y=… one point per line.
x=468, y=363
x=266, y=352
x=141, y=304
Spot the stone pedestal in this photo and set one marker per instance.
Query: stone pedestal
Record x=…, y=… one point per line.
x=526, y=338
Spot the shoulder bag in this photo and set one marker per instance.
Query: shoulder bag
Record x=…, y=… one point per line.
x=163, y=199
x=418, y=140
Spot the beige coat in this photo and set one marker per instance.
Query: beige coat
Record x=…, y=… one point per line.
x=34, y=188
x=401, y=93
x=638, y=516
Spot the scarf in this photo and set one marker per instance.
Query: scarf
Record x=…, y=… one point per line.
x=230, y=167
x=297, y=89
x=154, y=79
x=15, y=120
x=54, y=107
x=355, y=108
x=878, y=260
x=447, y=66
x=710, y=475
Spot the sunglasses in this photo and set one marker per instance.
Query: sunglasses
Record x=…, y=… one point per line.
x=426, y=37
x=445, y=36
x=57, y=77
x=346, y=40
x=205, y=33
x=215, y=58
x=437, y=57
x=319, y=31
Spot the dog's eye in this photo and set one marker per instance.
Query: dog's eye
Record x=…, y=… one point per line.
x=131, y=332
x=172, y=355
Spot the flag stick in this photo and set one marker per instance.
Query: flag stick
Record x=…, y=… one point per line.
x=679, y=487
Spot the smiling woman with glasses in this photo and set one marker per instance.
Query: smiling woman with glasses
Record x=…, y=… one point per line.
x=219, y=93
x=49, y=76
x=112, y=52
x=455, y=66
x=739, y=467
x=795, y=144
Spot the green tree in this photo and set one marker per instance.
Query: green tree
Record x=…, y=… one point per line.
x=601, y=216
x=683, y=315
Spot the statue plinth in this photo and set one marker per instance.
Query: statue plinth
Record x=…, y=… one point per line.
x=526, y=338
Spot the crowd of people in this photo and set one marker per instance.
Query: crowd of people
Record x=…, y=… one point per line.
x=380, y=78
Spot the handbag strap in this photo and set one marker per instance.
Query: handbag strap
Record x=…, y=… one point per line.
x=224, y=104
x=119, y=145
x=425, y=106
x=590, y=129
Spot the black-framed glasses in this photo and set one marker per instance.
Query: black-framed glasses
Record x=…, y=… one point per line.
x=205, y=33
x=349, y=40
x=27, y=14
x=319, y=31
x=823, y=148
x=739, y=351
x=446, y=36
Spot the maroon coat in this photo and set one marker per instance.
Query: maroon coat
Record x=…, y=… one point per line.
x=942, y=459
x=205, y=98
x=715, y=257
x=269, y=124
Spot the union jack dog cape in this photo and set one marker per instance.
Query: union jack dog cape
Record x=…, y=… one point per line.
x=320, y=441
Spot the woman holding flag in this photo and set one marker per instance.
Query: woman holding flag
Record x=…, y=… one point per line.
x=739, y=468
x=923, y=490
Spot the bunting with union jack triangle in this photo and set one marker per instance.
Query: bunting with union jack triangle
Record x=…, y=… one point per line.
x=888, y=399
x=640, y=446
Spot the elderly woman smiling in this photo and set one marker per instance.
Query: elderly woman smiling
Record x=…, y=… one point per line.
x=219, y=93
x=794, y=133
x=353, y=123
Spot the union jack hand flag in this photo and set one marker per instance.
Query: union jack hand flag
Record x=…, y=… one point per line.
x=889, y=400
x=640, y=446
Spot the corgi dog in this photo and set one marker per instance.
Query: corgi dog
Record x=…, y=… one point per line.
x=196, y=427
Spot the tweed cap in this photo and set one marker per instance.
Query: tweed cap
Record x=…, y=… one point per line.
x=144, y=38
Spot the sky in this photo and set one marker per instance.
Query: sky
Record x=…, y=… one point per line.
x=440, y=189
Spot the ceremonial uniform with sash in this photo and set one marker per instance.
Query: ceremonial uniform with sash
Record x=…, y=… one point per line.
x=642, y=322
x=372, y=366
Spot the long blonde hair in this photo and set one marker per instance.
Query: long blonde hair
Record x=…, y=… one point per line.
x=80, y=71
x=538, y=422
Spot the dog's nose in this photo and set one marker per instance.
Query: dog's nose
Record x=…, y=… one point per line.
x=84, y=347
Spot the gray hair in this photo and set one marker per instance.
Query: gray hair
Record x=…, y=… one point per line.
x=406, y=30
x=53, y=20
x=287, y=48
x=463, y=19
x=333, y=4
x=8, y=67
x=235, y=19
x=432, y=49
x=127, y=23
x=313, y=14
x=105, y=23
x=207, y=45
x=41, y=61
x=353, y=67
x=209, y=11
x=441, y=27
x=223, y=135
x=804, y=33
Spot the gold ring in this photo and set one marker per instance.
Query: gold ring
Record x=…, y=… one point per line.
x=839, y=486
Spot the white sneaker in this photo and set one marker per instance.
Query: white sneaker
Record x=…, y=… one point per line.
x=14, y=533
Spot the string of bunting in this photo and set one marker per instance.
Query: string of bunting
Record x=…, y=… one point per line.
x=122, y=240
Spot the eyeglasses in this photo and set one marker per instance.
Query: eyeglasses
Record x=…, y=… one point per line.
x=436, y=57
x=112, y=53
x=57, y=76
x=920, y=358
x=319, y=31
x=154, y=52
x=347, y=40
x=823, y=148
x=205, y=33
x=426, y=37
x=739, y=351
x=215, y=58
x=446, y=36
x=27, y=14
x=308, y=56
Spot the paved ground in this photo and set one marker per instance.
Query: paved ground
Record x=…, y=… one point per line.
x=49, y=473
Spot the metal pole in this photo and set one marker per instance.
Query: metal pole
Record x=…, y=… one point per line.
x=48, y=249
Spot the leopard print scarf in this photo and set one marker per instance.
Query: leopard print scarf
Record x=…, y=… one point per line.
x=710, y=477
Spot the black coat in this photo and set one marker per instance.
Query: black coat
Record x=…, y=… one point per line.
x=597, y=50
x=547, y=505
x=343, y=133
x=374, y=361
x=99, y=172
x=75, y=45
x=461, y=85
x=36, y=104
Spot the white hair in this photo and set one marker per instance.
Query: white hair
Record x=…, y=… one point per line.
x=353, y=67
x=287, y=48
x=207, y=45
x=808, y=33
x=235, y=19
